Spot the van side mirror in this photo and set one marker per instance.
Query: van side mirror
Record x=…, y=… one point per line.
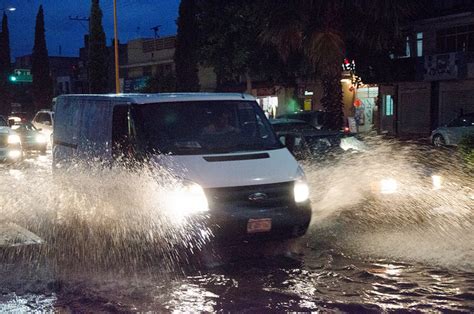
x=289, y=142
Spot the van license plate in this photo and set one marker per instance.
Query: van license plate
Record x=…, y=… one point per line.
x=259, y=225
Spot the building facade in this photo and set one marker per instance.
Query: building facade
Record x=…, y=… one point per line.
x=154, y=57
x=438, y=84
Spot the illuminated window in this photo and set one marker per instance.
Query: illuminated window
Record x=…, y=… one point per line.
x=407, y=47
x=419, y=44
x=388, y=105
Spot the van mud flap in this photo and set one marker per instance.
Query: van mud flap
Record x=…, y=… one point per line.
x=13, y=235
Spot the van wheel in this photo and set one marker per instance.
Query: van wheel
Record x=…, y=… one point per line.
x=438, y=140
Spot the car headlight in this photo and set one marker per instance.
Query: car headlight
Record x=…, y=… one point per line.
x=388, y=186
x=186, y=199
x=40, y=139
x=301, y=188
x=437, y=182
x=14, y=154
x=13, y=139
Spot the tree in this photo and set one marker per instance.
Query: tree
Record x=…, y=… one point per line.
x=324, y=32
x=42, y=86
x=5, y=67
x=97, y=66
x=187, y=43
x=230, y=42
x=161, y=83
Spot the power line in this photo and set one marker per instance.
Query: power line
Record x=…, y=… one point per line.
x=80, y=20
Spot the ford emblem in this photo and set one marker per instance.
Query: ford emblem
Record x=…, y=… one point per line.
x=255, y=197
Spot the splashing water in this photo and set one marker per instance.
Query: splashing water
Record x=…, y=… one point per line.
x=420, y=221
x=110, y=243
x=92, y=218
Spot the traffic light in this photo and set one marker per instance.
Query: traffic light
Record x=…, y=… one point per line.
x=21, y=76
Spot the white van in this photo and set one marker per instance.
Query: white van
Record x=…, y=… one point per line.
x=221, y=145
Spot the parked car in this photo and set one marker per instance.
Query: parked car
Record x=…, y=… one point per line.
x=454, y=131
x=10, y=143
x=304, y=140
x=315, y=118
x=230, y=168
x=44, y=120
x=31, y=138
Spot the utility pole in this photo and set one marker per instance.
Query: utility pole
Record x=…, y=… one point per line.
x=81, y=19
x=117, y=80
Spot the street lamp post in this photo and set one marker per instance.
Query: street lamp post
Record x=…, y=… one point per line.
x=117, y=80
x=9, y=8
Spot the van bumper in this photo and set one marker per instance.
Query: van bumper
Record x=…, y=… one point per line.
x=230, y=226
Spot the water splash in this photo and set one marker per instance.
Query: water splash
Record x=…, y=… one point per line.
x=419, y=222
x=94, y=217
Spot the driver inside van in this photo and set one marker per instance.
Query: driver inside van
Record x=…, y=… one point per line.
x=220, y=124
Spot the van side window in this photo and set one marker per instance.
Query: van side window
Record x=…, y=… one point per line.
x=120, y=134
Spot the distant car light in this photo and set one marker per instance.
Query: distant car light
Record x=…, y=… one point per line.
x=14, y=154
x=14, y=139
x=41, y=139
x=437, y=182
x=388, y=186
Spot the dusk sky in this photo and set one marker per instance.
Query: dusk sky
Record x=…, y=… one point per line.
x=136, y=17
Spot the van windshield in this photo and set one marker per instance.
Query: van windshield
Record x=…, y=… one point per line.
x=204, y=127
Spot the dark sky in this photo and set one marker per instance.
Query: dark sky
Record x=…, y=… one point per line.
x=136, y=17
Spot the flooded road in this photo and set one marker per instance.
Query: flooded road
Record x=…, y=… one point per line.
x=365, y=251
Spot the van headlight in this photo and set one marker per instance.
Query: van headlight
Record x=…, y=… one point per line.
x=301, y=188
x=13, y=139
x=186, y=199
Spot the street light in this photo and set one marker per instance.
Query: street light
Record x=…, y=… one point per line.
x=9, y=8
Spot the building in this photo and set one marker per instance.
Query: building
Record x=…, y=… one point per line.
x=63, y=71
x=152, y=57
x=435, y=76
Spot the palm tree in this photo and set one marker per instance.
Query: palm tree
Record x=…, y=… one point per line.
x=322, y=30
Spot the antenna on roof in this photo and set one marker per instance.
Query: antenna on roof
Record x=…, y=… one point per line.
x=156, y=29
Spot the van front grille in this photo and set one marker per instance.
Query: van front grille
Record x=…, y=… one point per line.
x=258, y=196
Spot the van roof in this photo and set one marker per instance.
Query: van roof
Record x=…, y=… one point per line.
x=162, y=97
